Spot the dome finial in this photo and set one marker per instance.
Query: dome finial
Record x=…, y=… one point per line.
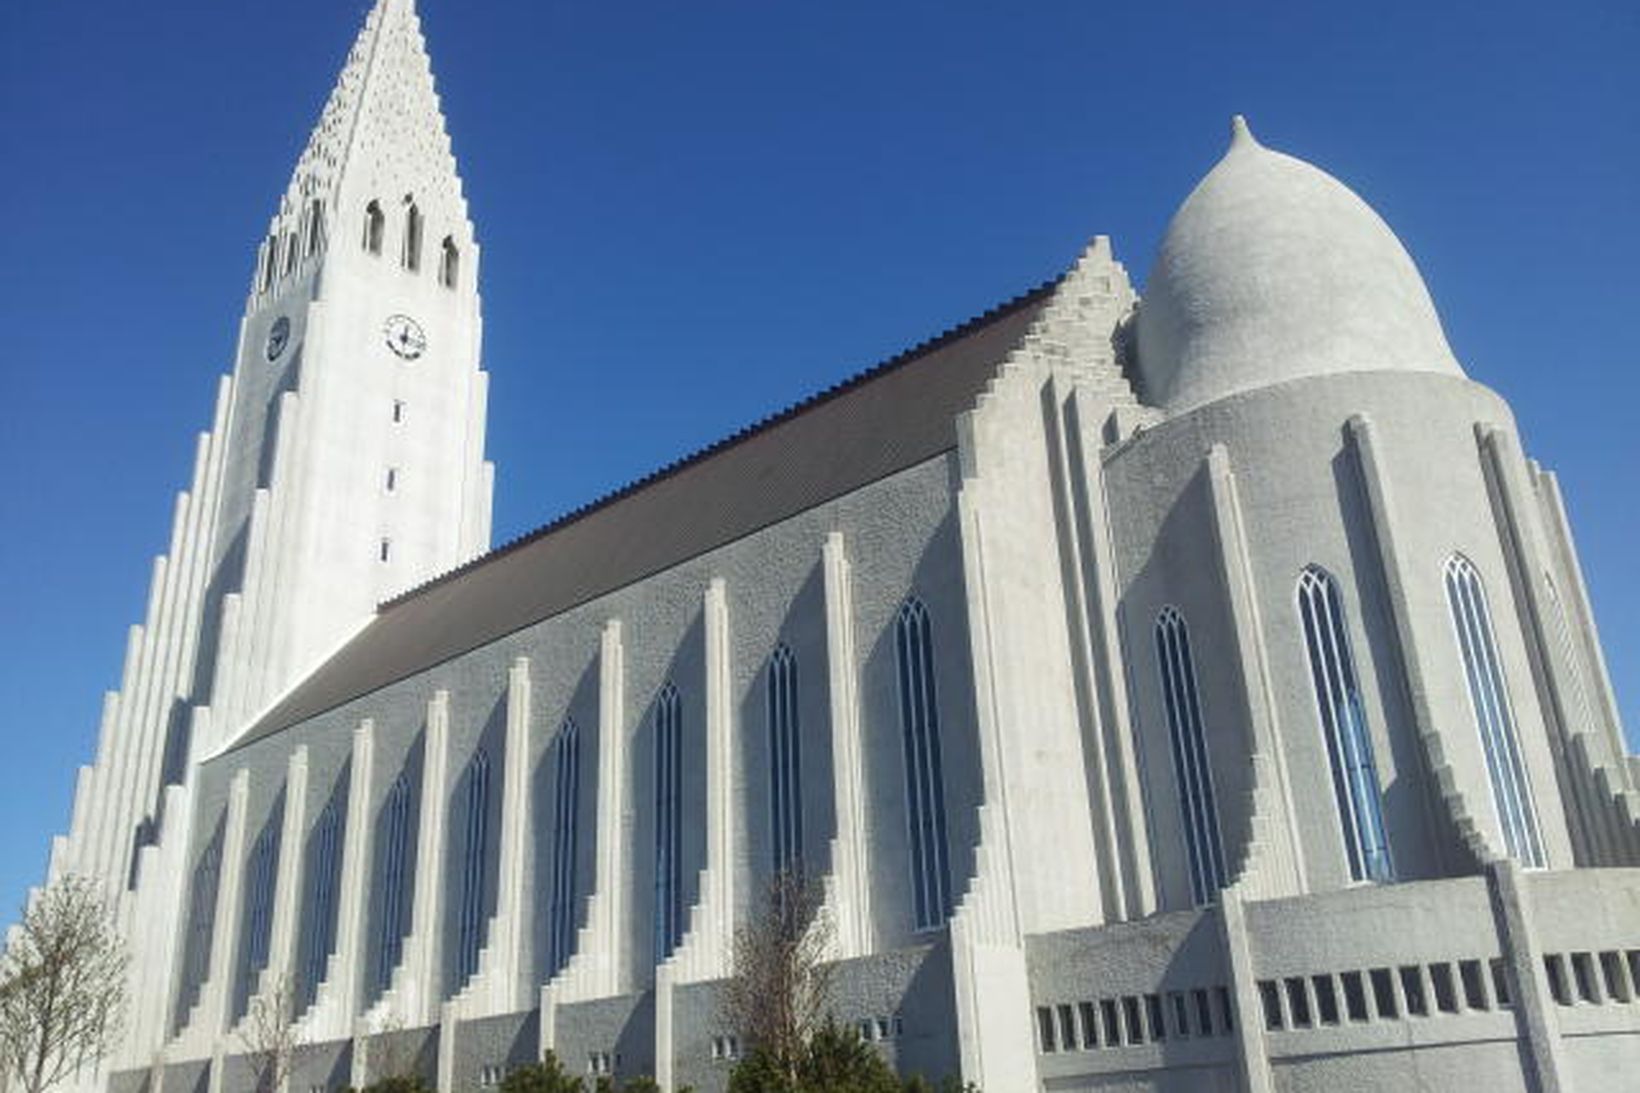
x=1241, y=135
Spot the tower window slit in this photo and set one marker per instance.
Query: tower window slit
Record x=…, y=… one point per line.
x=412, y=238
x=1191, y=769
x=449, y=263
x=1489, y=701
x=1343, y=727
x=321, y=936
x=375, y=226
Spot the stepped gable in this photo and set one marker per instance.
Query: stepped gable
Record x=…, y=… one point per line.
x=884, y=420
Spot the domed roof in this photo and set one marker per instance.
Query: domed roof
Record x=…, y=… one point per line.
x=1272, y=270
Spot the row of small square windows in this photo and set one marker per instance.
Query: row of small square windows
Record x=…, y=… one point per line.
x=1386, y=994
x=1134, y=1019
x=726, y=1047
x=880, y=1029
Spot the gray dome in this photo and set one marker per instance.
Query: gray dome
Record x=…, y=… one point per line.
x=1273, y=270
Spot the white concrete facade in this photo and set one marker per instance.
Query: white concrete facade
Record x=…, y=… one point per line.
x=1098, y=798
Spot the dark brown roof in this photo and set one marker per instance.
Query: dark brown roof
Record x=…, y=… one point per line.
x=884, y=420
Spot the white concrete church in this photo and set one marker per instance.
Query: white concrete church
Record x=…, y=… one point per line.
x=1155, y=715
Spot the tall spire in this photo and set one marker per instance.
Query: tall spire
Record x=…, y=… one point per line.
x=381, y=130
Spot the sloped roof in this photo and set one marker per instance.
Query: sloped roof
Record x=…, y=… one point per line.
x=881, y=421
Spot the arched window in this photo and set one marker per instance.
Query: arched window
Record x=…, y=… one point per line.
x=315, y=226
x=449, y=263
x=1489, y=701
x=259, y=884
x=668, y=823
x=924, y=781
x=196, y=953
x=375, y=226
x=785, y=761
x=567, y=784
x=1343, y=726
x=395, y=905
x=470, y=923
x=321, y=935
x=1197, y=806
x=412, y=238
x=293, y=253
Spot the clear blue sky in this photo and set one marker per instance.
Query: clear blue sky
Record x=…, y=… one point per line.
x=693, y=214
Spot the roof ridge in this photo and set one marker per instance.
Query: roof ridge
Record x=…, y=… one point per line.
x=699, y=455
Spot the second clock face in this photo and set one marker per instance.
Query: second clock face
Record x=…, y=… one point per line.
x=405, y=337
x=278, y=337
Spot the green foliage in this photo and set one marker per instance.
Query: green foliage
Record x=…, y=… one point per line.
x=835, y=1060
x=547, y=1076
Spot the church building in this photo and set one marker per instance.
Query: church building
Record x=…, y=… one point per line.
x=1189, y=692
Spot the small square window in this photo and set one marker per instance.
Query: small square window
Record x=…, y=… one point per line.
x=398, y=411
x=1474, y=984
x=386, y=549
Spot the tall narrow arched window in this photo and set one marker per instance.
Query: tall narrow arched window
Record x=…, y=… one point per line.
x=375, y=227
x=449, y=263
x=668, y=822
x=1343, y=726
x=785, y=761
x=470, y=919
x=566, y=809
x=395, y=900
x=1197, y=807
x=196, y=951
x=315, y=226
x=327, y=864
x=412, y=238
x=1494, y=719
x=924, y=780
x=259, y=884
x=293, y=253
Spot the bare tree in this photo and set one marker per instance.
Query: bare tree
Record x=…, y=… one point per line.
x=62, y=986
x=778, y=995
x=270, y=1035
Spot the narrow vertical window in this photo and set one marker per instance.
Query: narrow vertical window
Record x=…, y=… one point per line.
x=412, y=238
x=386, y=549
x=668, y=823
x=293, y=253
x=1494, y=720
x=321, y=935
x=567, y=784
x=1343, y=726
x=315, y=226
x=392, y=482
x=196, y=953
x=398, y=411
x=259, y=899
x=785, y=761
x=395, y=906
x=375, y=226
x=470, y=924
x=449, y=263
x=1197, y=806
x=925, y=783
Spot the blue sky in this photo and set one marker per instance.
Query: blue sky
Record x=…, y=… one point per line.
x=695, y=214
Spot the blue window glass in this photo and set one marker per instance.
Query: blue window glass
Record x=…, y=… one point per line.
x=1494, y=720
x=567, y=782
x=327, y=864
x=395, y=860
x=668, y=823
x=925, y=783
x=1197, y=806
x=785, y=761
x=470, y=914
x=1344, y=726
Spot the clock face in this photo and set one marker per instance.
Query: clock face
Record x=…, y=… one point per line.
x=278, y=338
x=405, y=337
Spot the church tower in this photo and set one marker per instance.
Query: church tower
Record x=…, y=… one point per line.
x=344, y=465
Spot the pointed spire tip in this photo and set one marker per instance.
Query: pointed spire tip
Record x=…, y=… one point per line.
x=1241, y=134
